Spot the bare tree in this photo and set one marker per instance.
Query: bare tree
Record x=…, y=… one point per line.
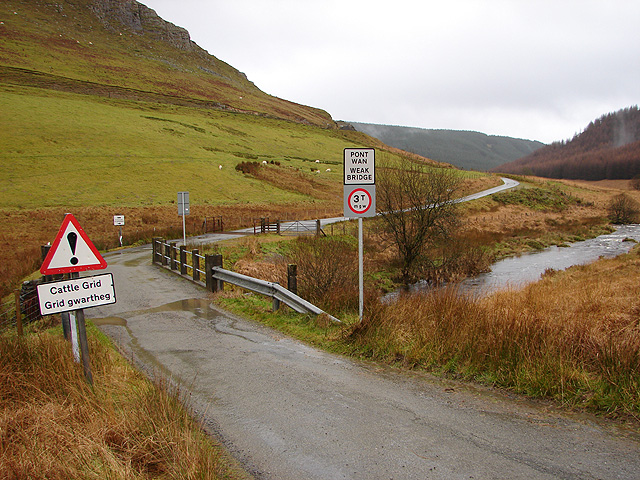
x=418, y=208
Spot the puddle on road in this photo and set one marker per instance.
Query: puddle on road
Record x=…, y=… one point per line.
x=99, y=322
x=136, y=262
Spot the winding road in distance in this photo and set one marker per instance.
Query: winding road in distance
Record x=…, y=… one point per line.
x=288, y=411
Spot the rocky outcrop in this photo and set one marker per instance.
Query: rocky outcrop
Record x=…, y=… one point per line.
x=140, y=19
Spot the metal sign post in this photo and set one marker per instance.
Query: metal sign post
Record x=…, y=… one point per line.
x=359, y=195
x=72, y=252
x=183, y=209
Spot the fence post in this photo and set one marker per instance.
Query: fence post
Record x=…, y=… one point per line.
x=18, y=314
x=172, y=250
x=217, y=262
x=318, y=229
x=157, y=249
x=208, y=273
x=167, y=254
x=195, y=260
x=292, y=278
x=211, y=261
x=263, y=222
x=183, y=260
x=278, y=227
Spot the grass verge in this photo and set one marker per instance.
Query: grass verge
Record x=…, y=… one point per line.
x=54, y=425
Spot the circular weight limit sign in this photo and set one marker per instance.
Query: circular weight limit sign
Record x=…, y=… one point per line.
x=359, y=201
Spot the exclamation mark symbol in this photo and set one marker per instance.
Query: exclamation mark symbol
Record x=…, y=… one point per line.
x=72, y=238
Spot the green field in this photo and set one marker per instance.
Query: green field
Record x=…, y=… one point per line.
x=75, y=150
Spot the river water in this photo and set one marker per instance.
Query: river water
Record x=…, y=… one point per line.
x=518, y=271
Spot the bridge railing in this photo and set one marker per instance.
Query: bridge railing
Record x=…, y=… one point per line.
x=176, y=258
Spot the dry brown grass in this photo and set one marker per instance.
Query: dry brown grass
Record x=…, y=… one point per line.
x=53, y=425
x=24, y=231
x=573, y=336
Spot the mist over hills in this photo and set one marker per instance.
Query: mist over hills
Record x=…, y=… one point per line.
x=464, y=149
x=607, y=149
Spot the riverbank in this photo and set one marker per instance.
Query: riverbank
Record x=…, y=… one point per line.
x=571, y=337
x=516, y=342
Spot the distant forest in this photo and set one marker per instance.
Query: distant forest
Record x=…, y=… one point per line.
x=609, y=148
x=464, y=149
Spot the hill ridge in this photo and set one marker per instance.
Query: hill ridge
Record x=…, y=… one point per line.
x=463, y=148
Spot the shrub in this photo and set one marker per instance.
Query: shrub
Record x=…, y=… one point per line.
x=623, y=209
x=327, y=271
x=248, y=168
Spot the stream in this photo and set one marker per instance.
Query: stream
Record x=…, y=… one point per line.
x=518, y=271
x=515, y=272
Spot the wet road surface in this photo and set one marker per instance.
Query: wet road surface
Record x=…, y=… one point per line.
x=289, y=411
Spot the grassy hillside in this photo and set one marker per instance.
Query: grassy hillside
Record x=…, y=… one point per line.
x=469, y=150
x=108, y=109
x=75, y=150
x=112, y=43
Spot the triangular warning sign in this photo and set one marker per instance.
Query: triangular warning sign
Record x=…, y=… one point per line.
x=72, y=251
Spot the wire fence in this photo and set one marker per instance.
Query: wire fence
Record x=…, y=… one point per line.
x=7, y=315
x=24, y=308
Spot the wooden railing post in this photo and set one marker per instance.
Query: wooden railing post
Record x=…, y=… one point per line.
x=217, y=262
x=195, y=261
x=292, y=278
x=167, y=254
x=172, y=250
x=157, y=249
x=208, y=272
x=183, y=260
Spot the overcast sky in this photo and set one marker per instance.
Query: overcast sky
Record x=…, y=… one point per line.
x=540, y=70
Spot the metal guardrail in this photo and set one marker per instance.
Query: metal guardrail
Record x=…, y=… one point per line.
x=168, y=254
x=269, y=289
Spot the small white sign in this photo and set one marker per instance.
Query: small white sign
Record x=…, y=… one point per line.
x=76, y=294
x=118, y=220
x=359, y=166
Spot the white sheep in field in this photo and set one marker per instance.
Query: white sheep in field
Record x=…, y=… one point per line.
x=219, y=167
x=317, y=161
x=264, y=162
x=328, y=170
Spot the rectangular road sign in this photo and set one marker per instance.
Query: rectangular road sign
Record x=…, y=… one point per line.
x=359, y=201
x=183, y=203
x=359, y=166
x=118, y=220
x=76, y=294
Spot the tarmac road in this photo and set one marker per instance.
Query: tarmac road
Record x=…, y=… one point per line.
x=290, y=412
